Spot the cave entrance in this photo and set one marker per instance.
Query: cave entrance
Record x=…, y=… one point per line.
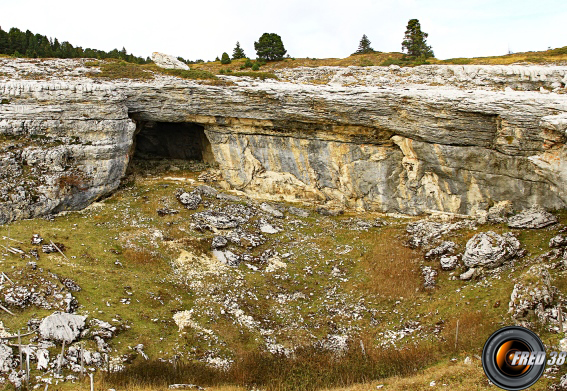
x=166, y=140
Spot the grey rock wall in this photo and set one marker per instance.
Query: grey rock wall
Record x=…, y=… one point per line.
x=397, y=145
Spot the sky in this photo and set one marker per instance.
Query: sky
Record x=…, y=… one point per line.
x=309, y=28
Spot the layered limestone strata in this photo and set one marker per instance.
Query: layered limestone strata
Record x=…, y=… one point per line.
x=392, y=147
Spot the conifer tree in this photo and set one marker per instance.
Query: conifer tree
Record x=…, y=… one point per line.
x=238, y=52
x=364, y=46
x=270, y=47
x=414, y=43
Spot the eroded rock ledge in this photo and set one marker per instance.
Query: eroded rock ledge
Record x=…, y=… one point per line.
x=403, y=147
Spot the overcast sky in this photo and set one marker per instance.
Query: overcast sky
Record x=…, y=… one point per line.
x=309, y=28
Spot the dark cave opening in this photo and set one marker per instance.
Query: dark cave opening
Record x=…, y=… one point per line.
x=172, y=140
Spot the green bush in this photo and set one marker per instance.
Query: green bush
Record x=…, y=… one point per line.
x=225, y=59
x=393, y=61
x=256, y=67
x=248, y=63
x=195, y=74
x=257, y=75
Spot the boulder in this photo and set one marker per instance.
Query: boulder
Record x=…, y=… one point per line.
x=61, y=327
x=473, y=272
x=329, y=212
x=558, y=241
x=449, y=262
x=169, y=62
x=444, y=248
x=190, y=200
x=429, y=275
x=218, y=242
x=298, y=211
x=271, y=210
x=6, y=362
x=535, y=217
x=227, y=257
x=424, y=232
x=218, y=220
x=490, y=250
x=206, y=191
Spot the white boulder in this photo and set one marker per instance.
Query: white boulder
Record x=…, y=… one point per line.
x=166, y=61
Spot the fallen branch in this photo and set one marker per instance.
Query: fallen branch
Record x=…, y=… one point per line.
x=13, y=240
x=23, y=335
x=57, y=248
x=3, y=277
x=7, y=310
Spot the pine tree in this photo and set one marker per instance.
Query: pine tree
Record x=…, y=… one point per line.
x=270, y=47
x=225, y=59
x=364, y=46
x=414, y=42
x=238, y=52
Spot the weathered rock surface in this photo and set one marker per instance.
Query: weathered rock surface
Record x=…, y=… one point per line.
x=535, y=217
x=490, y=250
x=391, y=144
x=534, y=293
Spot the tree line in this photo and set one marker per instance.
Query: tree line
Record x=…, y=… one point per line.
x=269, y=47
x=27, y=44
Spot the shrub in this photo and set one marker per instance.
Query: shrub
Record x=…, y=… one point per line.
x=255, y=67
x=194, y=74
x=225, y=59
x=248, y=63
x=257, y=75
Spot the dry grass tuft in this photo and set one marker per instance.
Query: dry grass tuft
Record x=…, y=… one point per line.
x=392, y=269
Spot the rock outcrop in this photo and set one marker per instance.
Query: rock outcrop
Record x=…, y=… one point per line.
x=395, y=143
x=167, y=61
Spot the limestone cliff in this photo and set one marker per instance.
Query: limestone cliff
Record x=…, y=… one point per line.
x=449, y=138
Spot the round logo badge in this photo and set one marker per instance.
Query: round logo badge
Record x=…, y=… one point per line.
x=513, y=358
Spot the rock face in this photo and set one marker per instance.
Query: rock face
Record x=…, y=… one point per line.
x=490, y=250
x=167, y=61
x=392, y=143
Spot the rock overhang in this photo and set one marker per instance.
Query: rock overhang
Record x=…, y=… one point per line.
x=410, y=148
